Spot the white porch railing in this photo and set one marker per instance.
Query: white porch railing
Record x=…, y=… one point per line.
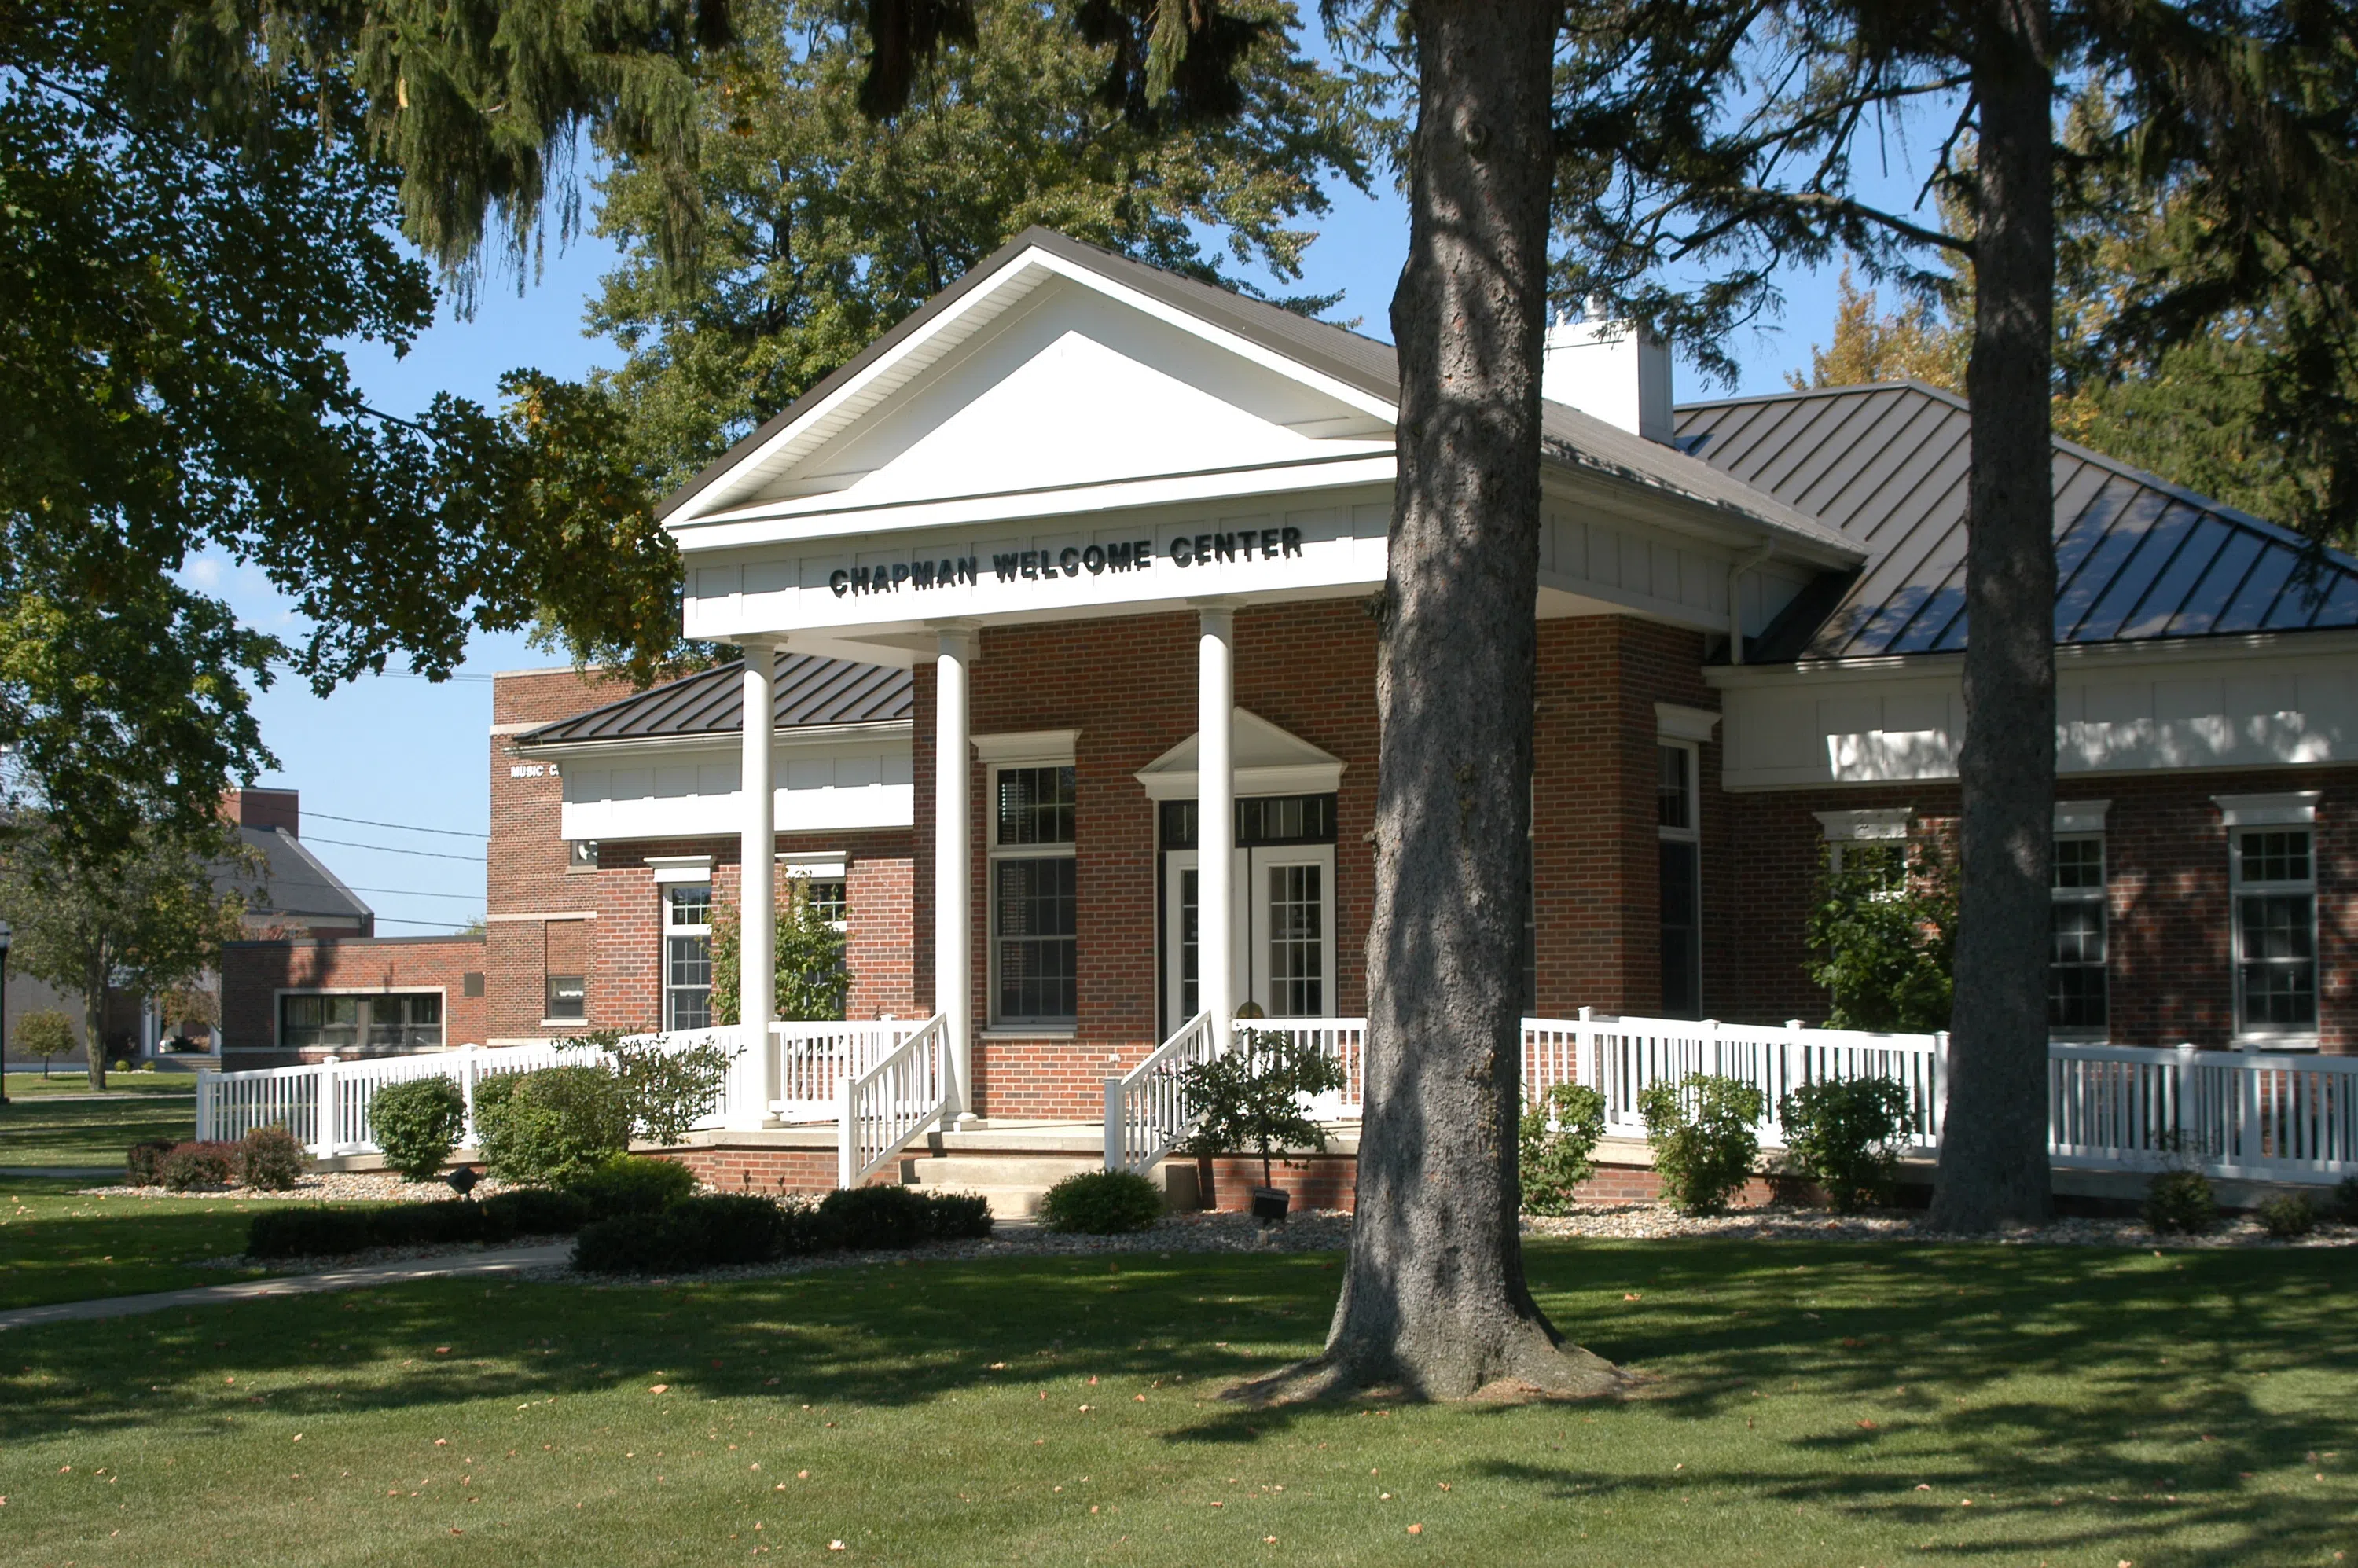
x=885, y=1106
x=1145, y=1114
x=2271, y=1116
x=813, y=1057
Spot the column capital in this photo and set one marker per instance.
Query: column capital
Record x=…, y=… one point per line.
x=955, y=636
x=1210, y=613
x=773, y=641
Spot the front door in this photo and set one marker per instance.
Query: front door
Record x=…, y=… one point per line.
x=1282, y=924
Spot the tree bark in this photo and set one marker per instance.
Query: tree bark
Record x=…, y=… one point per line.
x=93, y=1019
x=1433, y=1300
x=1994, y=1164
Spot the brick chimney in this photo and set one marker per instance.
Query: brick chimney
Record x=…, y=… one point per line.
x=266, y=809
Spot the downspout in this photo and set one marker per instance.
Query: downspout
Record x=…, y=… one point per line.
x=1735, y=571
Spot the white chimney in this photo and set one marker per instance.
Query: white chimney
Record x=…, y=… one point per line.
x=1612, y=370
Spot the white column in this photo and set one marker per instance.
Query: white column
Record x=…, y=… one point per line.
x=954, y=860
x=757, y=882
x=1215, y=817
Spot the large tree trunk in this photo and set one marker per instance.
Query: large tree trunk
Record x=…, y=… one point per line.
x=1435, y=1302
x=94, y=1020
x=1993, y=1166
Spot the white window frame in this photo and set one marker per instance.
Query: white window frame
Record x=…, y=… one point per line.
x=665, y=931
x=1691, y=834
x=831, y=867
x=1875, y=827
x=2290, y=812
x=1023, y=760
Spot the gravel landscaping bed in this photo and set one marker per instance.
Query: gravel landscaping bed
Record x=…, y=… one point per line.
x=332, y=1186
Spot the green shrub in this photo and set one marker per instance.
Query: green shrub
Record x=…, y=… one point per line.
x=307, y=1230
x=668, y=1088
x=2290, y=1216
x=533, y=1211
x=1249, y=1099
x=552, y=1127
x=270, y=1159
x=2342, y=1204
x=143, y=1162
x=2180, y=1200
x=1701, y=1129
x=1101, y=1203
x=1882, y=935
x=1558, y=1146
x=714, y=1231
x=632, y=1183
x=197, y=1166
x=418, y=1123
x=1843, y=1134
x=872, y=1219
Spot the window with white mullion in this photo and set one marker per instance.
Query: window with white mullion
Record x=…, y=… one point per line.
x=688, y=956
x=2273, y=885
x=1678, y=830
x=2077, y=999
x=1035, y=969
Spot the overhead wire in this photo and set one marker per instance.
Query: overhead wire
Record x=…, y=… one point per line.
x=398, y=827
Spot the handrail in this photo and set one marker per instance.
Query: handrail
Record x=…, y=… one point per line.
x=887, y=1106
x=1146, y=1114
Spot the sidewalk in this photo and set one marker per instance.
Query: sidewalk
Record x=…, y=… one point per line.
x=449, y=1265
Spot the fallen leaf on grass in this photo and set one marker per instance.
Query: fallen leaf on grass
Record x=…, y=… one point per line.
x=660, y=1389
x=1632, y=1296
x=1416, y=1530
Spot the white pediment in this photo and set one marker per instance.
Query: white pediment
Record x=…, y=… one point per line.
x=1063, y=384
x=1267, y=760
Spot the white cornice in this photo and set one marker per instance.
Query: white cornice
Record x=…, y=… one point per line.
x=728, y=741
x=1951, y=665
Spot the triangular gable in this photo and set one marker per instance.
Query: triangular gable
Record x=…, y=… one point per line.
x=1266, y=759
x=1047, y=364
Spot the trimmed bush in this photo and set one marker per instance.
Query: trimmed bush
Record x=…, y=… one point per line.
x=1101, y=1203
x=2180, y=1202
x=876, y=1218
x=417, y=1124
x=1843, y=1134
x=144, y=1162
x=1701, y=1129
x=633, y=1185
x=2289, y=1217
x=533, y=1211
x=2341, y=1203
x=713, y=1231
x=197, y=1166
x=957, y=1217
x=309, y=1230
x=1558, y=1146
x=270, y=1159
x=553, y=1126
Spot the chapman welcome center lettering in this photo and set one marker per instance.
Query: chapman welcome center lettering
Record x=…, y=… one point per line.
x=1185, y=550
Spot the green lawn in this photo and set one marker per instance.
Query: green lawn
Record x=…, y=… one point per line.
x=74, y=1081
x=1814, y=1404
x=46, y=1129
x=57, y=1245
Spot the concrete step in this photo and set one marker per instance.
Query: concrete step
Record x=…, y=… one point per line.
x=1013, y=1185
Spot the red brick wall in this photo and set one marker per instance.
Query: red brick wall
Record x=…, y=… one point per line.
x=626, y=979
x=1128, y=687
x=2166, y=855
x=253, y=973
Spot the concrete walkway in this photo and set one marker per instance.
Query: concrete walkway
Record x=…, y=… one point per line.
x=456, y=1265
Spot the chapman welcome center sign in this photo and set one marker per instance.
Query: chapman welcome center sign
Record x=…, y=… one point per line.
x=1183, y=550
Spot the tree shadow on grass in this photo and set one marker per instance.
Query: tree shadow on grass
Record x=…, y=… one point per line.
x=2027, y=1375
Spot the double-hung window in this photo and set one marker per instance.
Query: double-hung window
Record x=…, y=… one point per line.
x=2272, y=896
x=687, y=956
x=1034, y=910
x=2076, y=995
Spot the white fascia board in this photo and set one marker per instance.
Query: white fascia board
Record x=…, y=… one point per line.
x=621, y=746
x=843, y=809
x=1285, y=778
x=1692, y=516
x=2228, y=652
x=754, y=527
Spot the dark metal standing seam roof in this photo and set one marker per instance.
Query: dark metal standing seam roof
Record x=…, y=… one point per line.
x=809, y=691
x=2138, y=558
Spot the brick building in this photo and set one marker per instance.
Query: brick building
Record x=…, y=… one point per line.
x=1000, y=577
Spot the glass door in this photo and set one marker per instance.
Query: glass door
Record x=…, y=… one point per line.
x=1281, y=928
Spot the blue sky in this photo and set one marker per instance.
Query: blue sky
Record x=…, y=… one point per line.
x=408, y=762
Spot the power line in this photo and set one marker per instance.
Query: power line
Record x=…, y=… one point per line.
x=437, y=925
x=388, y=849
x=273, y=883
x=401, y=826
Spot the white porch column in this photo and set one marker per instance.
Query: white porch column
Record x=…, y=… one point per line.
x=1216, y=816
x=757, y=884
x=953, y=860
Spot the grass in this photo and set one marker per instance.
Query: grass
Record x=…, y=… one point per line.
x=46, y=1128
x=1814, y=1404
x=59, y=1246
